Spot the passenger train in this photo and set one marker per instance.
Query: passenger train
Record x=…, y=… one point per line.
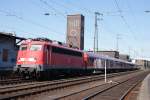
x=43, y=58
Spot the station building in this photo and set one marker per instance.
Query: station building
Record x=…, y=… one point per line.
x=113, y=54
x=143, y=64
x=125, y=57
x=8, y=50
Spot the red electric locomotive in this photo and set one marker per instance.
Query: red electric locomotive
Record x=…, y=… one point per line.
x=42, y=58
x=38, y=57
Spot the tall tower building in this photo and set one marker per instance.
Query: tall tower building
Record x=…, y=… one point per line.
x=75, y=31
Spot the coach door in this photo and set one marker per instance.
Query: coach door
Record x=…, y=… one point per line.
x=48, y=55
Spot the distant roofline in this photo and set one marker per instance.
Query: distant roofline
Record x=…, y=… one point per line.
x=11, y=35
x=104, y=51
x=124, y=54
x=142, y=59
x=75, y=15
x=108, y=51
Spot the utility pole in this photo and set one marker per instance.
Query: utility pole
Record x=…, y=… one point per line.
x=96, y=31
x=117, y=41
x=129, y=48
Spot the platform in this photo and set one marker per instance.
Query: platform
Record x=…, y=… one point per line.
x=145, y=89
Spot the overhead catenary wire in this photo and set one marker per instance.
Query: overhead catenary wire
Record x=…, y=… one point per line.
x=132, y=14
x=42, y=8
x=106, y=13
x=14, y=29
x=62, y=5
x=68, y=5
x=123, y=18
x=53, y=8
x=31, y=22
x=81, y=8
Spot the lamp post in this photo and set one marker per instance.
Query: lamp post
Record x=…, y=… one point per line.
x=97, y=15
x=105, y=71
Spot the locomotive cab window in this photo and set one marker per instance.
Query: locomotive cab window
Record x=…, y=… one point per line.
x=23, y=47
x=36, y=47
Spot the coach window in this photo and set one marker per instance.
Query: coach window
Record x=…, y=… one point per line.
x=23, y=47
x=36, y=47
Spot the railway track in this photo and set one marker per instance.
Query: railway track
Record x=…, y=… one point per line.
x=14, y=81
x=117, y=90
x=31, y=89
x=132, y=93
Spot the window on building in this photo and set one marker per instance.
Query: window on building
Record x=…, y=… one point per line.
x=5, y=55
x=13, y=60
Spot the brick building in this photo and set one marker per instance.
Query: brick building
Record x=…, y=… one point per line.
x=75, y=31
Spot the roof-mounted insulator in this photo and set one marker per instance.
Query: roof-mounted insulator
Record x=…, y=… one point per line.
x=42, y=39
x=57, y=42
x=71, y=46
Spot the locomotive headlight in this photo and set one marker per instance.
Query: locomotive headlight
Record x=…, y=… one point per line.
x=21, y=59
x=32, y=59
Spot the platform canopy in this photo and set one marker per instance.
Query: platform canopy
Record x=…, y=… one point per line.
x=13, y=36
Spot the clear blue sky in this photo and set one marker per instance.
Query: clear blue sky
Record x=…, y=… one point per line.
x=26, y=18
